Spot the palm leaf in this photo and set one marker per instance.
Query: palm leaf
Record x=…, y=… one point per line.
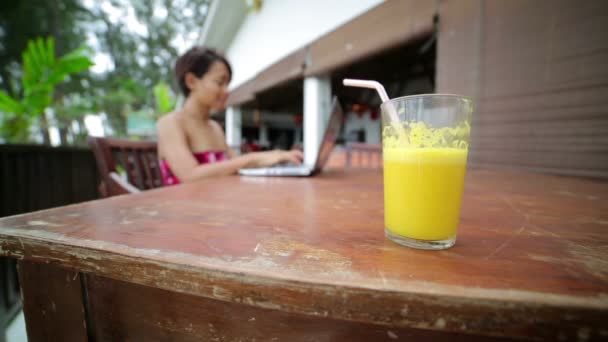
x=37, y=101
x=36, y=63
x=165, y=101
x=42, y=71
x=71, y=63
x=79, y=53
x=9, y=105
x=63, y=68
x=41, y=53
x=26, y=77
x=51, y=50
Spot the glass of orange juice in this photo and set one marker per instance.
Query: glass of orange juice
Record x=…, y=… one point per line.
x=425, y=141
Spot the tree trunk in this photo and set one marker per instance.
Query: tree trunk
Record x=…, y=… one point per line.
x=80, y=139
x=63, y=135
x=53, y=30
x=44, y=129
x=6, y=81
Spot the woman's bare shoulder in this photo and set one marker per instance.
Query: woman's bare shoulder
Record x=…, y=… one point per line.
x=168, y=122
x=216, y=126
x=169, y=132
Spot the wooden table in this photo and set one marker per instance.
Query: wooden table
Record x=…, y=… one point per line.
x=285, y=259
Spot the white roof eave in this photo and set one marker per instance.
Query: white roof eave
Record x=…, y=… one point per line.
x=223, y=21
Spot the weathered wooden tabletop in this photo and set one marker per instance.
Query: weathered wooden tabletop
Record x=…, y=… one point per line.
x=531, y=258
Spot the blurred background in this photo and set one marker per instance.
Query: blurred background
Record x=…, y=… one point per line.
x=536, y=69
x=130, y=47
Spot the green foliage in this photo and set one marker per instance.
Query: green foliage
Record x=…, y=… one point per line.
x=117, y=99
x=146, y=58
x=41, y=73
x=139, y=60
x=9, y=105
x=72, y=108
x=21, y=21
x=164, y=98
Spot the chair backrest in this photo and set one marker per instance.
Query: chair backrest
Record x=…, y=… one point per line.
x=363, y=155
x=137, y=160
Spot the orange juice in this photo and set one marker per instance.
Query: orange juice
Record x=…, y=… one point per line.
x=423, y=191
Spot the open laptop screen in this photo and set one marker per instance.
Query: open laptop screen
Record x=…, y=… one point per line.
x=331, y=134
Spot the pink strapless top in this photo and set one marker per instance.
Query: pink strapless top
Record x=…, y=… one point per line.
x=202, y=157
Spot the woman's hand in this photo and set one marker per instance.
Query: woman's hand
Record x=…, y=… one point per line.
x=269, y=158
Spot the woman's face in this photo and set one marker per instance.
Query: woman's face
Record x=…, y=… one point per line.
x=211, y=90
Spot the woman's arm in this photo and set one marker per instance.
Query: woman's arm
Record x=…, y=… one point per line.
x=259, y=159
x=174, y=148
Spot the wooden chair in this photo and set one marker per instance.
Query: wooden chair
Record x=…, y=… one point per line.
x=363, y=155
x=138, y=160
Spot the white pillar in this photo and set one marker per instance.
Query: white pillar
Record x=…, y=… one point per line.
x=233, y=127
x=297, y=136
x=317, y=102
x=264, y=135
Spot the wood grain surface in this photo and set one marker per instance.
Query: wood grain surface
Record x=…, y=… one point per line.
x=52, y=303
x=529, y=261
x=130, y=312
x=538, y=74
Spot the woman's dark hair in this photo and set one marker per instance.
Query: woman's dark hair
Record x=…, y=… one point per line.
x=197, y=60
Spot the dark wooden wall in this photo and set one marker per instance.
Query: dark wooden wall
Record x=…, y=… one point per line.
x=538, y=70
x=34, y=177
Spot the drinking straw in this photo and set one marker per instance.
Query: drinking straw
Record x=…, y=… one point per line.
x=392, y=113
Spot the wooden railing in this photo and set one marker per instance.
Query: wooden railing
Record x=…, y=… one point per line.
x=363, y=155
x=39, y=177
x=34, y=177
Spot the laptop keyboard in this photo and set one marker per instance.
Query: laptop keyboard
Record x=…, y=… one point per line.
x=287, y=165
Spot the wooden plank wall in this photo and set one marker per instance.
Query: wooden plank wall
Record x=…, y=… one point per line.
x=538, y=70
x=34, y=177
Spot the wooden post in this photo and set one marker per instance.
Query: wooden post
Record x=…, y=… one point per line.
x=52, y=302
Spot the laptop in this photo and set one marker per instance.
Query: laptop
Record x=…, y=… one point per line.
x=327, y=145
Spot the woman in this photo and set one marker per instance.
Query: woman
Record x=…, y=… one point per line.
x=191, y=145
